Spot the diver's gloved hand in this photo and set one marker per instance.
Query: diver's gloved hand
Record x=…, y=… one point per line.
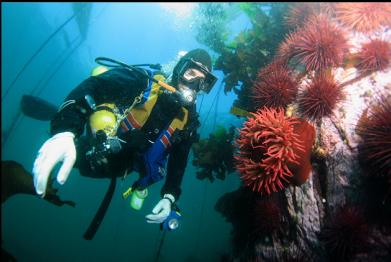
x=59, y=148
x=161, y=210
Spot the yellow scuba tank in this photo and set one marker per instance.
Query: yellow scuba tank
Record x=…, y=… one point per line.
x=98, y=70
x=103, y=123
x=104, y=118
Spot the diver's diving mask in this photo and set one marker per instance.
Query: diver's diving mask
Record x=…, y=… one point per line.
x=196, y=76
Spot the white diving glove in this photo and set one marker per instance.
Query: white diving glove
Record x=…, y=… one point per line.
x=161, y=210
x=59, y=148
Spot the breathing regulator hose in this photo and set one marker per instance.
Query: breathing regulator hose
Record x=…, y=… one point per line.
x=114, y=63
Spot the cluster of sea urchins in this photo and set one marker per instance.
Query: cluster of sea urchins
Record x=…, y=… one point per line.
x=267, y=145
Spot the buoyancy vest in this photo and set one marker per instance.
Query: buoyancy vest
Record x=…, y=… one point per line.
x=155, y=158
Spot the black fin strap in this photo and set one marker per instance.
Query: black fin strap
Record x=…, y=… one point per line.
x=100, y=214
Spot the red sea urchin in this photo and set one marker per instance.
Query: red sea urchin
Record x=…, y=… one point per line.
x=364, y=17
x=375, y=130
x=345, y=234
x=320, y=97
x=274, y=86
x=267, y=216
x=267, y=146
x=318, y=45
x=374, y=56
x=299, y=12
x=286, y=50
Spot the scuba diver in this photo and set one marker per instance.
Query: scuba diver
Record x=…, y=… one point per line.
x=122, y=120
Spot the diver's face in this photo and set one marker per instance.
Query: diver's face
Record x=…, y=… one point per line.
x=191, y=79
x=193, y=74
x=189, y=85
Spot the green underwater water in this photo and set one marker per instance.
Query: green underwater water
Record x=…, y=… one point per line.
x=50, y=48
x=34, y=230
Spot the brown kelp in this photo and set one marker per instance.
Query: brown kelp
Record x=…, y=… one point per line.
x=250, y=50
x=214, y=156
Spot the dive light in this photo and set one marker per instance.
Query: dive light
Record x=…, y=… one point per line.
x=172, y=221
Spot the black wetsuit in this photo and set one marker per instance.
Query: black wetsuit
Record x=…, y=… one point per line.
x=120, y=86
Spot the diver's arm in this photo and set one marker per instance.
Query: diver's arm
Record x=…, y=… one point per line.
x=179, y=154
x=176, y=166
x=114, y=86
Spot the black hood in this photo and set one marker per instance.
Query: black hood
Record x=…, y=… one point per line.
x=198, y=55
